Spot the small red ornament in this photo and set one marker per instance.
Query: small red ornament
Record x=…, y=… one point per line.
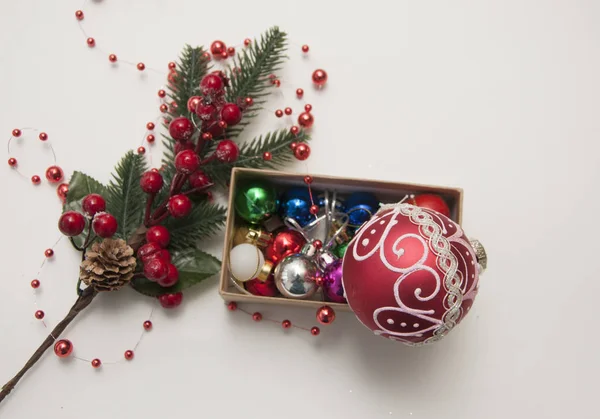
x=71, y=223
x=35, y=284
x=141, y=150
x=150, y=126
x=320, y=281
x=54, y=174
x=172, y=65
x=314, y=209
x=104, y=225
x=302, y=151
x=43, y=136
x=218, y=47
x=278, y=113
x=224, y=55
x=193, y=102
x=257, y=317
x=16, y=132
x=63, y=348
x=128, y=355
x=62, y=190
x=294, y=130
x=187, y=161
x=79, y=15
x=163, y=108
x=308, y=179
x=306, y=120
x=231, y=114
x=181, y=129
x=112, y=58
x=162, y=254
x=141, y=66
x=272, y=76
x=35, y=179
x=267, y=156
x=232, y=306
x=231, y=51
x=227, y=151
x=284, y=244
x=293, y=145
x=198, y=179
x=319, y=77
x=179, y=206
x=264, y=288
x=159, y=235
x=308, y=107
x=156, y=269
x=171, y=278
x=150, y=138
x=286, y=324
x=151, y=182
x=299, y=93
x=96, y=363
x=315, y=331
x=222, y=125
x=277, y=83
x=39, y=314
x=432, y=202
x=249, y=101
x=12, y=162
x=318, y=244
x=48, y=253
x=325, y=315
x=206, y=56
x=93, y=204
x=288, y=111
x=206, y=136
x=172, y=77
x=147, y=325
x=91, y=42
x=162, y=93
x=305, y=48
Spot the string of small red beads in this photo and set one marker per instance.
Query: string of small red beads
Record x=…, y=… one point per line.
x=285, y=324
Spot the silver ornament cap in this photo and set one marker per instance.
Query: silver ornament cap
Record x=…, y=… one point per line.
x=480, y=253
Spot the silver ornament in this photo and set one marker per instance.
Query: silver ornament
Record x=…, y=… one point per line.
x=295, y=276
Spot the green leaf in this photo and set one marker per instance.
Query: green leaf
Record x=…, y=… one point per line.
x=194, y=266
x=204, y=220
x=126, y=200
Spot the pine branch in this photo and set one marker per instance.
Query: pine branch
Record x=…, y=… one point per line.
x=251, y=154
x=204, y=221
x=192, y=66
x=125, y=196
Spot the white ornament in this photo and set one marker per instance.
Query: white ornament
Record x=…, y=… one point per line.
x=245, y=262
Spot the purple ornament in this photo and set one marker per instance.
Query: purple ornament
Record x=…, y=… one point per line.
x=332, y=284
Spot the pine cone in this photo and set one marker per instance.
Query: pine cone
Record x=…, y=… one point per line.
x=108, y=265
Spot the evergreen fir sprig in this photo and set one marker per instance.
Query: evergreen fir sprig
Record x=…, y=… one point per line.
x=205, y=220
x=192, y=66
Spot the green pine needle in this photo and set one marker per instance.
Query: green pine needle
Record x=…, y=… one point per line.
x=204, y=220
x=191, y=68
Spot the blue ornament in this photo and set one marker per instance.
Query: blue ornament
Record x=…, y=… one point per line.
x=295, y=203
x=360, y=207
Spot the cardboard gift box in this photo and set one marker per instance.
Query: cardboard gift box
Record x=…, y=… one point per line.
x=386, y=192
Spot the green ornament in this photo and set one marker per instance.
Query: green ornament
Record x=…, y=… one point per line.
x=340, y=250
x=255, y=201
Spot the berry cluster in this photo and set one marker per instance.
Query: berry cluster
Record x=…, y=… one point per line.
x=103, y=224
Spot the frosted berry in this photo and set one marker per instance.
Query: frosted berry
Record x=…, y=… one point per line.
x=104, y=225
x=171, y=278
x=156, y=269
x=147, y=251
x=206, y=112
x=71, y=223
x=171, y=300
x=198, y=179
x=163, y=254
x=227, y=151
x=159, y=235
x=231, y=114
x=187, y=161
x=151, y=182
x=179, y=206
x=93, y=204
x=181, y=129
x=212, y=84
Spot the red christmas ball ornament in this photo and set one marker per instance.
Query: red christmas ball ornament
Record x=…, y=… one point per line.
x=231, y=114
x=62, y=190
x=151, y=182
x=71, y=223
x=112, y=58
x=257, y=316
x=306, y=120
x=129, y=355
x=179, y=205
x=147, y=325
x=227, y=151
x=284, y=244
x=423, y=274
x=286, y=324
x=187, y=161
x=92, y=204
x=319, y=77
x=315, y=331
x=156, y=269
x=171, y=278
x=48, y=253
x=218, y=47
x=305, y=48
x=232, y=306
x=12, y=162
x=193, y=102
x=91, y=42
x=299, y=93
x=141, y=66
x=302, y=151
x=54, y=174
x=39, y=314
x=63, y=348
x=35, y=179
x=96, y=363
x=43, y=136
x=432, y=202
x=79, y=15
x=159, y=235
x=199, y=179
x=263, y=288
x=325, y=315
x=181, y=129
x=104, y=225
x=35, y=283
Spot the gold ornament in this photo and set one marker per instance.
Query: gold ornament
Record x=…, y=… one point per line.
x=257, y=237
x=108, y=265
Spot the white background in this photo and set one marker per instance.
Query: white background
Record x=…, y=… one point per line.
x=497, y=97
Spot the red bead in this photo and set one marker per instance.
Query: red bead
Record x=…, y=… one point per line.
x=162, y=254
x=150, y=138
x=63, y=348
x=187, y=161
x=162, y=93
x=306, y=120
x=288, y=111
x=308, y=179
x=317, y=243
x=163, y=108
x=231, y=51
x=150, y=126
x=192, y=103
x=319, y=77
x=71, y=223
x=62, y=191
x=48, y=253
x=54, y=174
x=112, y=58
x=314, y=209
x=272, y=76
x=147, y=325
x=93, y=204
x=43, y=136
x=35, y=179
x=91, y=42
x=224, y=55
x=249, y=101
x=206, y=56
x=104, y=225
x=227, y=151
x=16, y=132
x=299, y=93
x=39, y=314
x=232, y=306
x=128, y=355
x=315, y=331
x=171, y=300
x=206, y=136
x=294, y=130
x=79, y=15
x=308, y=107
x=302, y=151
x=141, y=66
x=247, y=41
x=257, y=316
x=320, y=281
x=172, y=65
x=151, y=182
x=159, y=235
x=325, y=315
x=141, y=150
x=278, y=113
x=172, y=77
x=277, y=83
x=305, y=48
x=293, y=145
x=217, y=47
x=171, y=278
x=286, y=324
x=179, y=206
x=35, y=284
x=148, y=251
x=12, y=162
x=231, y=114
x=181, y=129
x=156, y=269
x=222, y=124
x=96, y=363
x=267, y=156
x=199, y=179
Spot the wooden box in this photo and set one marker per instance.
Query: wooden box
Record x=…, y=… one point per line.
x=387, y=192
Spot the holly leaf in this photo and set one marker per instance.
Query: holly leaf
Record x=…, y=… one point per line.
x=194, y=266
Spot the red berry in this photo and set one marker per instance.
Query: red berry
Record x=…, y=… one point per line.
x=43, y=136
x=16, y=132
x=159, y=235
x=93, y=204
x=156, y=269
x=227, y=151
x=104, y=225
x=206, y=112
x=129, y=355
x=299, y=92
x=172, y=65
x=305, y=48
x=162, y=254
x=71, y=223
x=217, y=47
x=147, y=325
x=48, y=253
x=181, y=129
x=162, y=93
x=278, y=113
x=96, y=363
x=151, y=182
x=231, y=114
x=183, y=145
x=212, y=84
x=147, y=251
x=112, y=58
x=141, y=66
x=171, y=278
x=294, y=130
x=308, y=107
x=199, y=179
x=141, y=150
x=179, y=206
x=171, y=300
x=249, y=101
x=150, y=138
x=288, y=111
x=187, y=161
